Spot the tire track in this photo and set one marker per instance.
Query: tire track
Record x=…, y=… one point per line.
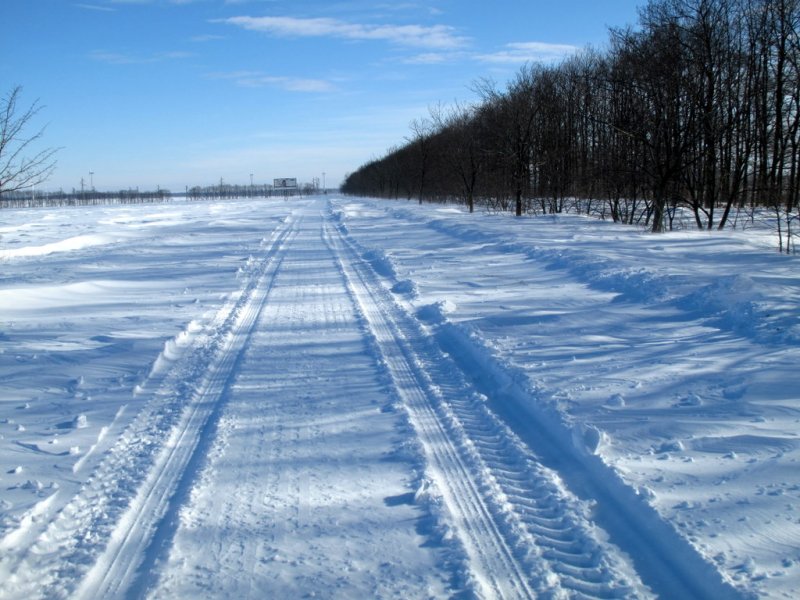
x=96, y=544
x=549, y=488
x=294, y=503
x=525, y=535
x=115, y=572
x=493, y=564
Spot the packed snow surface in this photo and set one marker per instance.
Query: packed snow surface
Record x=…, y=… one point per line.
x=351, y=398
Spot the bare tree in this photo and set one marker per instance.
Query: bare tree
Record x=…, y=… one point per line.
x=698, y=107
x=459, y=129
x=420, y=147
x=17, y=169
x=511, y=121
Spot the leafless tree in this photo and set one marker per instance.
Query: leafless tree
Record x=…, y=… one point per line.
x=461, y=152
x=18, y=169
x=698, y=107
x=420, y=147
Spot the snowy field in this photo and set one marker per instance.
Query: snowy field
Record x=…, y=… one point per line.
x=344, y=398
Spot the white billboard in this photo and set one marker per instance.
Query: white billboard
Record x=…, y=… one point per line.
x=285, y=182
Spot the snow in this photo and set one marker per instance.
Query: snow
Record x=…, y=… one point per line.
x=342, y=397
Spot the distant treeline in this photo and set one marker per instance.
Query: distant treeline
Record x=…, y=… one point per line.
x=226, y=190
x=697, y=107
x=31, y=199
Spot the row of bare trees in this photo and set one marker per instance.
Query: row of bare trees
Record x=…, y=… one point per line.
x=32, y=199
x=259, y=190
x=697, y=108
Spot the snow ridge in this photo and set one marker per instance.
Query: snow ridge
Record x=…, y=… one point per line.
x=523, y=533
x=129, y=492
x=733, y=299
x=664, y=560
x=505, y=426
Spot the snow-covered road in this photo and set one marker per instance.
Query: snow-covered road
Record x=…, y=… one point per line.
x=314, y=428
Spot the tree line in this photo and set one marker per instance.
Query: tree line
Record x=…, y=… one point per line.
x=259, y=190
x=696, y=108
x=33, y=199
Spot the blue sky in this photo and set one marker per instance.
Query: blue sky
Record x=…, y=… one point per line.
x=184, y=92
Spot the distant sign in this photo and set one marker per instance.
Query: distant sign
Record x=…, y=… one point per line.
x=285, y=183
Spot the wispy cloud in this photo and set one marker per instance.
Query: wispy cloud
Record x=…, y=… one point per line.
x=210, y=37
x=246, y=1
x=154, y=1
x=174, y=55
x=257, y=79
x=435, y=36
x=119, y=58
x=397, y=7
x=94, y=7
x=290, y=84
x=522, y=52
x=433, y=58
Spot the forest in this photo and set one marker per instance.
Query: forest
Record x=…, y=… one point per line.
x=694, y=111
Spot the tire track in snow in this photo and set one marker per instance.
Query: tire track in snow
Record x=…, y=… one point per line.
x=511, y=423
x=102, y=535
x=663, y=560
x=493, y=564
x=547, y=537
x=115, y=572
x=295, y=498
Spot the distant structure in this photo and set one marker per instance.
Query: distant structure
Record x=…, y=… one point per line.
x=286, y=186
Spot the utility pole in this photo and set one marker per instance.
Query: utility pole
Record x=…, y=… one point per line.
x=324, y=190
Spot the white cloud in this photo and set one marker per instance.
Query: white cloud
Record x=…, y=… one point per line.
x=153, y=1
x=290, y=84
x=173, y=55
x=256, y=79
x=522, y=52
x=209, y=37
x=118, y=58
x=431, y=58
x=94, y=7
x=435, y=36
